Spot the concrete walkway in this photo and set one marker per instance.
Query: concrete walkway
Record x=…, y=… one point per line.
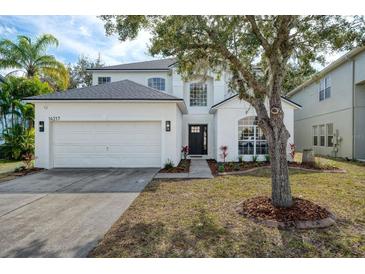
x=199, y=169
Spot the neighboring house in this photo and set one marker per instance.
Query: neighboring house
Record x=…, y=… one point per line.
x=141, y=114
x=332, y=120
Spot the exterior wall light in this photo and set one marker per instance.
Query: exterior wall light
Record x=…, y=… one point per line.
x=168, y=126
x=41, y=126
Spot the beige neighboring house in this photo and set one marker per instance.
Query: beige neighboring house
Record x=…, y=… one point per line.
x=332, y=117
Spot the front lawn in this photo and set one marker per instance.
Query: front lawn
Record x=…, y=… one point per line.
x=198, y=219
x=9, y=166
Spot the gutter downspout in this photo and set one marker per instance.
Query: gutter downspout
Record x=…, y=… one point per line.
x=353, y=109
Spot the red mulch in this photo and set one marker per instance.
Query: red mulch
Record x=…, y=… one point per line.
x=27, y=171
x=182, y=167
x=236, y=166
x=302, y=210
x=312, y=166
x=213, y=166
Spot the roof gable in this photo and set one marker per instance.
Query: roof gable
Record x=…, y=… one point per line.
x=235, y=99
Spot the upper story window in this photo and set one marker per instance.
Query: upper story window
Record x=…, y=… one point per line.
x=325, y=88
x=198, y=95
x=104, y=80
x=157, y=83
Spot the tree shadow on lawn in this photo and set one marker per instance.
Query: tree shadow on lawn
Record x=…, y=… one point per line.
x=205, y=237
x=266, y=172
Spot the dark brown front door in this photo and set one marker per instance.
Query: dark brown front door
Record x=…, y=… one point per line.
x=198, y=139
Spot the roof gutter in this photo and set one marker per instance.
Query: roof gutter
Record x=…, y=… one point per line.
x=181, y=104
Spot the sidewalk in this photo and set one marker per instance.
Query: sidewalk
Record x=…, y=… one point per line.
x=199, y=169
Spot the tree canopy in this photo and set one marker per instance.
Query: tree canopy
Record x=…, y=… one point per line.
x=30, y=57
x=79, y=76
x=258, y=52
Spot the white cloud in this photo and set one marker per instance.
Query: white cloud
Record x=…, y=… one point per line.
x=84, y=31
x=84, y=35
x=5, y=30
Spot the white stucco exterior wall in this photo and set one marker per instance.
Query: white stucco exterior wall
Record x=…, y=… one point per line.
x=138, y=77
x=227, y=117
x=108, y=111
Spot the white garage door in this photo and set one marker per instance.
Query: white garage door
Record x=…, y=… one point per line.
x=106, y=144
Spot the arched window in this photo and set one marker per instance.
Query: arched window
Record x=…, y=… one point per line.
x=251, y=139
x=157, y=83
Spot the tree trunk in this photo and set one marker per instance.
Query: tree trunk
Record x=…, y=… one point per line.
x=281, y=192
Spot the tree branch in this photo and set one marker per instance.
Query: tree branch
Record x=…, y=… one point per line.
x=255, y=29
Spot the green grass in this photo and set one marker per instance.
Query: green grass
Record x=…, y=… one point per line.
x=197, y=218
x=7, y=166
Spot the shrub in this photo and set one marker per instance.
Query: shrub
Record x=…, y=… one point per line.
x=267, y=158
x=292, y=151
x=254, y=158
x=185, y=151
x=18, y=142
x=240, y=159
x=169, y=164
x=224, y=153
x=221, y=168
x=236, y=167
x=28, y=160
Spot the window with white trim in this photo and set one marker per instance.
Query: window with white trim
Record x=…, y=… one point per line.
x=157, y=83
x=325, y=88
x=315, y=136
x=329, y=128
x=198, y=95
x=104, y=80
x=322, y=136
x=251, y=140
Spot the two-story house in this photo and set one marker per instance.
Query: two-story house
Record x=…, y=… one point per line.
x=141, y=114
x=332, y=120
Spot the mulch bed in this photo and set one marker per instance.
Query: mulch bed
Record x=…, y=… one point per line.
x=245, y=166
x=182, y=167
x=303, y=214
x=27, y=171
x=213, y=166
x=312, y=166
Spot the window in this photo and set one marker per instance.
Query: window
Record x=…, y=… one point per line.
x=198, y=95
x=195, y=129
x=251, y=140
x=322, y=136
x=325, y=88
x=330, y=135
x=157, y=83
x=104, y=80
x=315, y=135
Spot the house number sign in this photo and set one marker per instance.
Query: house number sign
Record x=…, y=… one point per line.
x=54, y=118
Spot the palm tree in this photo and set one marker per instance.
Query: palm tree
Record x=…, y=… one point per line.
x=32, y=59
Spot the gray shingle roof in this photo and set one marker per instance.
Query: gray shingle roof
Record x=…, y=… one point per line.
x=121, y=90
x=163, y=64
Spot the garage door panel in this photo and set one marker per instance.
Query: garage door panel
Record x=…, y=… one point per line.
x=107, y=144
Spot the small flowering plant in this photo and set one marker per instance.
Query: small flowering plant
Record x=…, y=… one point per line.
x=224, y=154
x=185, y=151
x=292, y=151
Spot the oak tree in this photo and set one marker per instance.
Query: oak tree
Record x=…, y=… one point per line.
x=259, y=52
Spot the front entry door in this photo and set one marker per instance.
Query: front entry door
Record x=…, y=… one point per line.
x=198, y=139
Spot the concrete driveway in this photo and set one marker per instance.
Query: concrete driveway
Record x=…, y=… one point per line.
x=64, y=212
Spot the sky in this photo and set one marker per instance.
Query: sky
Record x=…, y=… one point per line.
x=83, y=35
x=77, y=35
